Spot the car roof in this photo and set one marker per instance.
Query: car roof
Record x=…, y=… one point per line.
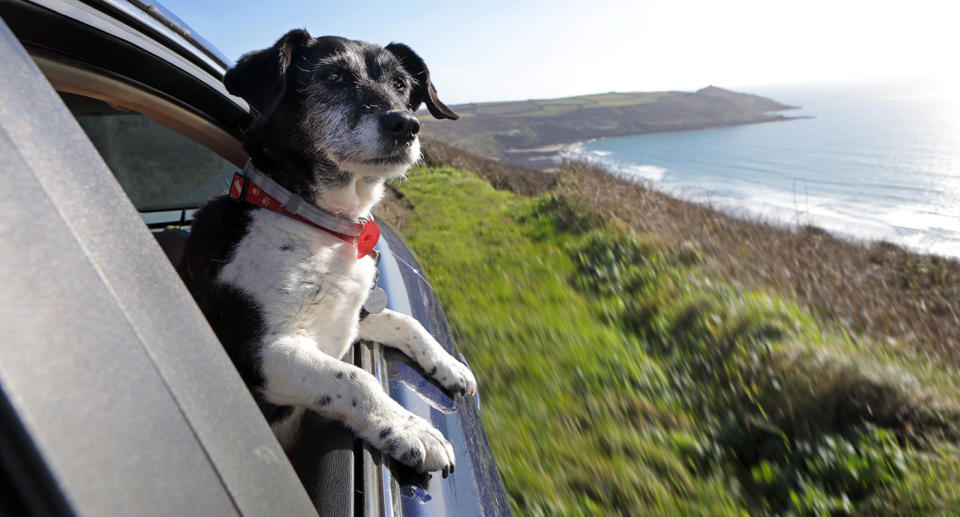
x=195, y=43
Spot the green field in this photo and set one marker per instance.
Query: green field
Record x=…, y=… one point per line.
x=617, y=378
x=550, y=107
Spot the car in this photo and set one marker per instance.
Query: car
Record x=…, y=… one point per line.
x=115, y=396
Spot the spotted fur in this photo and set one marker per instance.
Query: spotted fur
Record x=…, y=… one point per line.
x=334, y=122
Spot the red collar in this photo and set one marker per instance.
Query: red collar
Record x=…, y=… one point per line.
x=366, y=232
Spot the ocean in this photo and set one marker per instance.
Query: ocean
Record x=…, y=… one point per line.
x=877, y=161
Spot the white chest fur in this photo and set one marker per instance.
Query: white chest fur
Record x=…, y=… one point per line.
x=307, y=282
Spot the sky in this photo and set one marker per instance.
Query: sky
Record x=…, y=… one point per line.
x=513, y=50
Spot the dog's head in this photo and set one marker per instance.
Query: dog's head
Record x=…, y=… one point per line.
x=343, y=108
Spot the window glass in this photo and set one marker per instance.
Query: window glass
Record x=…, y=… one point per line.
x=158, y=168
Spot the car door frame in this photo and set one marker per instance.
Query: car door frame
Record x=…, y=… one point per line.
x=130, y=403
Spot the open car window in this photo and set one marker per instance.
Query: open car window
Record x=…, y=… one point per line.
x=169, y=155
x=167, y=174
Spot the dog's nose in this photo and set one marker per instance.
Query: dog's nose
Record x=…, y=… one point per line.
x=400, y=124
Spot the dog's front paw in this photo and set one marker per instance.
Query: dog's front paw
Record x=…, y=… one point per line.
x=455, y=376
x=412, y=441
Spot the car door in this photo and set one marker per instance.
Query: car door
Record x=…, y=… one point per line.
x=161, y=121
x=117, y=398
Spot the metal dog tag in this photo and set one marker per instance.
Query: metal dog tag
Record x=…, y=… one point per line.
x=376, y=301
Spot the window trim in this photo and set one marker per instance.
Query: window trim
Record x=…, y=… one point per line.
x=73, y=79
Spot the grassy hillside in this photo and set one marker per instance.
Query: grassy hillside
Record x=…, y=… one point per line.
x=550, y=107
x=621, y=372
x=517, y=131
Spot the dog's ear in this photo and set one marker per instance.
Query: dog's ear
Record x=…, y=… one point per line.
x=260, y=77
x=423, y=90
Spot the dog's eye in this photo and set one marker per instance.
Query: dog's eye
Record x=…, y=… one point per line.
x=399, y=84
x=334, y=77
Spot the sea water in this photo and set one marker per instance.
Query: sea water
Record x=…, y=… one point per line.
x=876, y=161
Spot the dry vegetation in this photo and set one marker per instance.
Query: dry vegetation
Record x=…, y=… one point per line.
x=877, y=289
x=516, y=179
x=638, y=354
x=528, y=182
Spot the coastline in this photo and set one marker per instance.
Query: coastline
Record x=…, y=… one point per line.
x=771, y=204
x=532, y=133
x=549, y=156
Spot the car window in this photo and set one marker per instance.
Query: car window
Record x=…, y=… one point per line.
x=158, y=168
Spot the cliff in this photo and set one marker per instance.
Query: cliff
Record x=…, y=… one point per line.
x=530, y=132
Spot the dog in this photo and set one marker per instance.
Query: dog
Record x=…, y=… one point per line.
x=284, y=289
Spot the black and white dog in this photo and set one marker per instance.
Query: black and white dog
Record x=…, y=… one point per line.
x=284, y=288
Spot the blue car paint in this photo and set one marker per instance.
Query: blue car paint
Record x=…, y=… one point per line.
x=475, y=488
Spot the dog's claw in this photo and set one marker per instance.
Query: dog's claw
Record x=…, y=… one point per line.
x=413, y=441
x=444, y=473
x=455, y=377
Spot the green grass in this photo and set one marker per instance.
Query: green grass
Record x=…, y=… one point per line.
x=615, y=378
x=553, y=107
x=624, y=99
x=548, y=110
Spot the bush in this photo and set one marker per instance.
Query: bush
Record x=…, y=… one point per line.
x=618, y=377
